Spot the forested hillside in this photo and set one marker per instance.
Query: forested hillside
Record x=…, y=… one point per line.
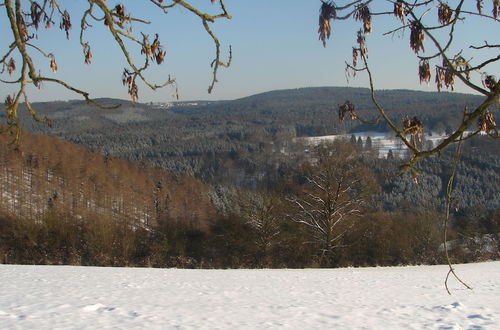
x=206, y=139
x=63, y=203
x=59, y=196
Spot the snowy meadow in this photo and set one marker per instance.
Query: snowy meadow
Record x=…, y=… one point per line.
x=66, y=297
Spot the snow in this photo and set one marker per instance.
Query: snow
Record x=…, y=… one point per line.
x=67, y=297
x=383, y=141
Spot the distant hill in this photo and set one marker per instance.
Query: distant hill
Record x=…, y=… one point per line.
x=206, y=138
x=281, y=107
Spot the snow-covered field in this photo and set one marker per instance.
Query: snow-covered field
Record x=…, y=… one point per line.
x=64, y=297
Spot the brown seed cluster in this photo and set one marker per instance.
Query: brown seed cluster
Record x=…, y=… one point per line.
x=326, y=13
x=479, y=6
x=347, y=107
x=354, y=56
x=489, y=82
x=53, y=63
x=440, y=76
x=23, y=29
x=496, y=8
x=128, y=79
x=153, y=50
x=424, y=71
x=417, y=36
x=8, y=101
x=87, y=54
x=11, y=66
x=363, y=14
x=444, y=13
x=399, y=10
x=65, y=23
x=413, y=126
x=119, y=11
x=361, y=40
x=36, y=14
x=487, y=122
x=444, y=75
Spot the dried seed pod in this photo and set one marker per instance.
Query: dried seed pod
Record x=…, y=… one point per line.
x=489, y=82
x=53, y=64
x=487, y=122
x=363, y=14
x=444, y=13
x=128, y=79
x=413, y=126
x=36, y=14
x=424, y=71
x=133, y=91
x=399, y=10
x=462, y=64
x=8, y=101
x=440, y=76
x=65, y=23
x=11, y=66
x=362, y=44
x=23, y=29
x=347, y=107
x=87, y=54
x=479, y=6
x=449, y=76
x=160, y=56
x=155, y=46
x=146, y=47
x=496, y=8
x=354, y=57
x=120, y=10
x=326, y=13
x=417, y=36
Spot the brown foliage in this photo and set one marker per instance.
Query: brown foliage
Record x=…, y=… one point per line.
x=326, y=13
x=84, y=183
x=363, y=14
x=347, y=107
x=444, y=13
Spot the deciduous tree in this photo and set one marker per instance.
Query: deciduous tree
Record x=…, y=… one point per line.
x=337, y=188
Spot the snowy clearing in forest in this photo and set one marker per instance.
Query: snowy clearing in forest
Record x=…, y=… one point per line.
x=67, y=297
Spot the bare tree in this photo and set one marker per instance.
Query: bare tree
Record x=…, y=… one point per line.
x=27, y=19
x=335, y=191
x=260, y=209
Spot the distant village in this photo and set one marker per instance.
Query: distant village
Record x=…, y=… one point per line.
x=167, y=105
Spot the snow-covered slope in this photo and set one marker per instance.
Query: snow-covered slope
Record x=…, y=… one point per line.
x=63, y=297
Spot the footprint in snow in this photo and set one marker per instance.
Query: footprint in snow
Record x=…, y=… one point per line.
x=98, y=308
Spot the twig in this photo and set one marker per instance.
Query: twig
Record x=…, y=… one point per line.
x=449, y=200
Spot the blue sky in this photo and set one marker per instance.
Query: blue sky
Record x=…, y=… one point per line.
x=275, y=46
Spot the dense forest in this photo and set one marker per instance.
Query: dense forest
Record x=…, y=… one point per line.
x=271, y=201
x=204, y=139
